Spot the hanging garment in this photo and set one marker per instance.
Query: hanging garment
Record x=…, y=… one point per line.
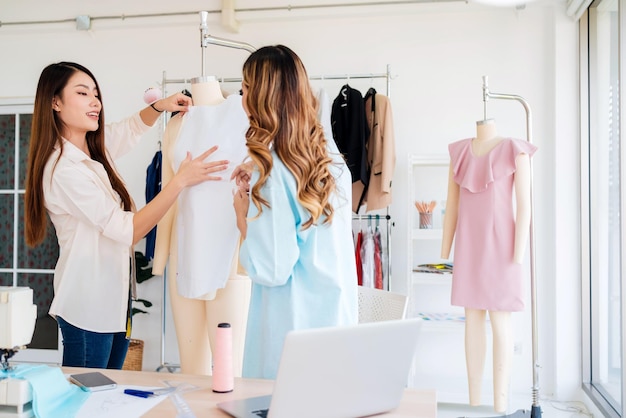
x=367, y=257
x=206, y=225
x=381, y=155
x=350, y=131
x=378, y=264
x=324, y=112
x=485, y=276
x=153, y=187
x=357, y=253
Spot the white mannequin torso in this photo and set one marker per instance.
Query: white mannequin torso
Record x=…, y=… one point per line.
x=486, y=137
x=196, y=319
x=206, y=91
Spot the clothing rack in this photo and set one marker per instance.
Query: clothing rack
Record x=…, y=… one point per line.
x=206, y=39
x=536, y=408
x=376, y=218
x=387, y=75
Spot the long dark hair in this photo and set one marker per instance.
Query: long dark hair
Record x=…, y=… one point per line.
x=45, y=135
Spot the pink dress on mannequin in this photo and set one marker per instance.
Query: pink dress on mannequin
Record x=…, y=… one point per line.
x=485, y=275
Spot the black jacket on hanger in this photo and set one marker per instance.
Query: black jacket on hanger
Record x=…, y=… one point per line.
x=350, y=131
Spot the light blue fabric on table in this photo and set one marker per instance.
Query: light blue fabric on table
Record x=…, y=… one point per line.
x=53, y=395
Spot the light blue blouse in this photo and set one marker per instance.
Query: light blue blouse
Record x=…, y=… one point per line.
x=300, y=278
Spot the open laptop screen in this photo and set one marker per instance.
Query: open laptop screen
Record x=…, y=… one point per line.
x=349, y=371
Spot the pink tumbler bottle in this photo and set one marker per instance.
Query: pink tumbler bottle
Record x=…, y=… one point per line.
x=223, y=380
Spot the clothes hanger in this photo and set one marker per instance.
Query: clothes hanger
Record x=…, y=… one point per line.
x=344, y=95
x=344, y=89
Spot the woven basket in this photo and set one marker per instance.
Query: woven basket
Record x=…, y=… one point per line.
x=134, y=356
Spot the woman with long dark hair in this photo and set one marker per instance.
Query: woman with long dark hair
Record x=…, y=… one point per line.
x=71, y=178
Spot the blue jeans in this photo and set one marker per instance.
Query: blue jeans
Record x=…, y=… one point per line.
x=83, y=348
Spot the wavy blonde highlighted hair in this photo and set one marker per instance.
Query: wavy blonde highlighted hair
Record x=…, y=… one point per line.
x=283, y=117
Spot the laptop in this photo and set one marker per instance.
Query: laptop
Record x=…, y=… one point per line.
x=338, y=372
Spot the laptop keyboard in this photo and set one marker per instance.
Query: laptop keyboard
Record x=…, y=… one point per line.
x=261, y=413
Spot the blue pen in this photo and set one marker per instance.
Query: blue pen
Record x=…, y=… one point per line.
x=148, y=393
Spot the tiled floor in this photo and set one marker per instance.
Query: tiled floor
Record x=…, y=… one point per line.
x=520, y=408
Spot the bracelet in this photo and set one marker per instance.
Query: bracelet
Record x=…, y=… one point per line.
x=152, y=106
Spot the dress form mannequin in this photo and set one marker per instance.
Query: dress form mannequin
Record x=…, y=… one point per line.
x=206, y=91
x=196, y=319
x=475, y=325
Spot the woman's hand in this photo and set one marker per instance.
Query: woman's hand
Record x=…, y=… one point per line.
x=196, y=170
x=241, y=202
x=191, y=172
x=242, y=174
x=177, y=102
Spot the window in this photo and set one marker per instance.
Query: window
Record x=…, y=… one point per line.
x=21, y=265
x=602, y=148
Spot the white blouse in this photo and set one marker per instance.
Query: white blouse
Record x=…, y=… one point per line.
x=206, y=223
x=95, y=234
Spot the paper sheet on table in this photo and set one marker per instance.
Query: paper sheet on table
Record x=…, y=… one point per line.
x=115, y=403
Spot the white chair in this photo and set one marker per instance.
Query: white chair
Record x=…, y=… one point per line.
x=380, y=305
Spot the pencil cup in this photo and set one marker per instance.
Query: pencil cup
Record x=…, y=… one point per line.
x=223, y=379
x=426, y=220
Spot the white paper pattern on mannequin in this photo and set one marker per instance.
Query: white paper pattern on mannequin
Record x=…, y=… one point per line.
x=206, y=222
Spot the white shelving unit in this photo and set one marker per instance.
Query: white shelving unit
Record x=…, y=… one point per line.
x=428, y=176
x=440, y=357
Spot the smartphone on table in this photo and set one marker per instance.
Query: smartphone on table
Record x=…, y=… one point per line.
x=92, y=381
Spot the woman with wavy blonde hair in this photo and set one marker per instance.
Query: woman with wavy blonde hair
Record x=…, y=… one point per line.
x=297, y=246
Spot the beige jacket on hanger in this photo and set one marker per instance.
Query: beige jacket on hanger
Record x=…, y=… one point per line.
x=381, y=156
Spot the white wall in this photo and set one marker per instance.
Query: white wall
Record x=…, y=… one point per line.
x=438, y=53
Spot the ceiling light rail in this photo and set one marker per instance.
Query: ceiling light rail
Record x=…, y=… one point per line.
x=80, y=20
